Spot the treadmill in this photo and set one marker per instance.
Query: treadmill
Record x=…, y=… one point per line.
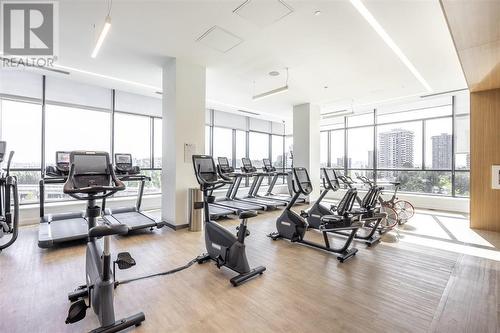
x=227, y=172
x=61, y=227
x=270, y=170
x=132, y=216
x=250, y=170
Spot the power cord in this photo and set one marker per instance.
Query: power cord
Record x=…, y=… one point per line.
x=172, y=271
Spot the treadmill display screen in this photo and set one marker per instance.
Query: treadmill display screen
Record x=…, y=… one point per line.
x=123, y=159
x=246, y=162
x=62, y=157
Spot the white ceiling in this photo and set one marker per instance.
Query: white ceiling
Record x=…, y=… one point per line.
x=338, y=49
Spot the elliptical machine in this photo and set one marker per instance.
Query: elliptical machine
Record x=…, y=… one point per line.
x=293, y=227
x=9, y=220
x=222, y=246
x=91, y=177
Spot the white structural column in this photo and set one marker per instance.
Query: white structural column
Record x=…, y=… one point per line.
x=306, y=140
x=183, y=134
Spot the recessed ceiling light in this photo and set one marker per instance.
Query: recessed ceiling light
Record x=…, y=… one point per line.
x=317, y=13
x=326, y=87
x=274, y=73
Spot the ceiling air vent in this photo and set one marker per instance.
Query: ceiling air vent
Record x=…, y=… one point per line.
x=263, y=13
x=219, y=39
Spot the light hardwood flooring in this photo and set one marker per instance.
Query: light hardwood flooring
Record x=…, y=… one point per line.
x=439, y=277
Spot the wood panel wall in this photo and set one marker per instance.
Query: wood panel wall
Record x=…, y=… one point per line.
x=485, y=152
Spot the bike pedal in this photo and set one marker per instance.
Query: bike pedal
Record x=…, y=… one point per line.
x=125, y=260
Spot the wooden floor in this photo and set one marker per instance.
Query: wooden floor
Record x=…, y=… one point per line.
x=431, y=280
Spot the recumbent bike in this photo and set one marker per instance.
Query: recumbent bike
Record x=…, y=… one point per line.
x=91, y=177
x=222, y=246
x=293, y=227
x=367, y=210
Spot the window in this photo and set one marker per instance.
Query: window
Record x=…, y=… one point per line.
x=157, y=143
x=258, y=148
x=462, y=143
x=207, y=140
x=154, y=186
x=438, y=144
x=277, y=150
x=70, y=128
x=241, y=146
x=323, y=146
x=414, y=144
x=360, y=120
x=337, y=149
x=399, y=146
x=28, y=185
x=432, y=182
x=223, y=143
x=132, y=136
x=289, y=151
x=462, y=184
x=360, y=148
x=26, y=143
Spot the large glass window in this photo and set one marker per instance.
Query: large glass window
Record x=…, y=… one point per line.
x=258, y=148
x=277, y=150
x=462, y=143
x=132, y=136
x=399, y=146
x=438, y=144
x=323, y=145
x=289, y=151
x=70, y=128
x=414, y=144
x=360, y=148
x=223, y=143
x=241, y=147
x=158, y=129
x=21, y=127
x=207, y=140
x=337, y=148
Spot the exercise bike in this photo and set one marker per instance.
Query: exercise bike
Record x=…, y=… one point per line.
x=293, y=227
x=9, y=201
x=403, y=208
x=367, y=210
x=223, y=247
x=91, y=177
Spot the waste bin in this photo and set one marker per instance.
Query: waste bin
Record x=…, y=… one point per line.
x=195, y=209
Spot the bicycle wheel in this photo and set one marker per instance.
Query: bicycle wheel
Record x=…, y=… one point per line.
x=392, y=217
x=404, y=209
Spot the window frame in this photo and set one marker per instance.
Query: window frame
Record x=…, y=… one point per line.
x=453, y=170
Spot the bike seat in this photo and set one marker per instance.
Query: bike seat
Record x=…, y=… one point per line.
x=335, y=222
x=247, y=214
x=107, y=230
x=358, y=211
x=395, y=183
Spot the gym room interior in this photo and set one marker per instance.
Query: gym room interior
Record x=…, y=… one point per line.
x=249, y=166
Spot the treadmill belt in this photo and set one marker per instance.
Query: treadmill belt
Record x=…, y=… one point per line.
x=60, y=231
x=217, y=211
x=134, y=220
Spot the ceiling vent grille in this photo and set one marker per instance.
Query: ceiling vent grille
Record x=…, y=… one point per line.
x=219, y=39
x=263, y=13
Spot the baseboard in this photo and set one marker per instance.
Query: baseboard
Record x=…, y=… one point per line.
x=176, y=226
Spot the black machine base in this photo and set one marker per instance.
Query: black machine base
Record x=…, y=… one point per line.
x=119, y=325
x=342, y=255
x=237, y=280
